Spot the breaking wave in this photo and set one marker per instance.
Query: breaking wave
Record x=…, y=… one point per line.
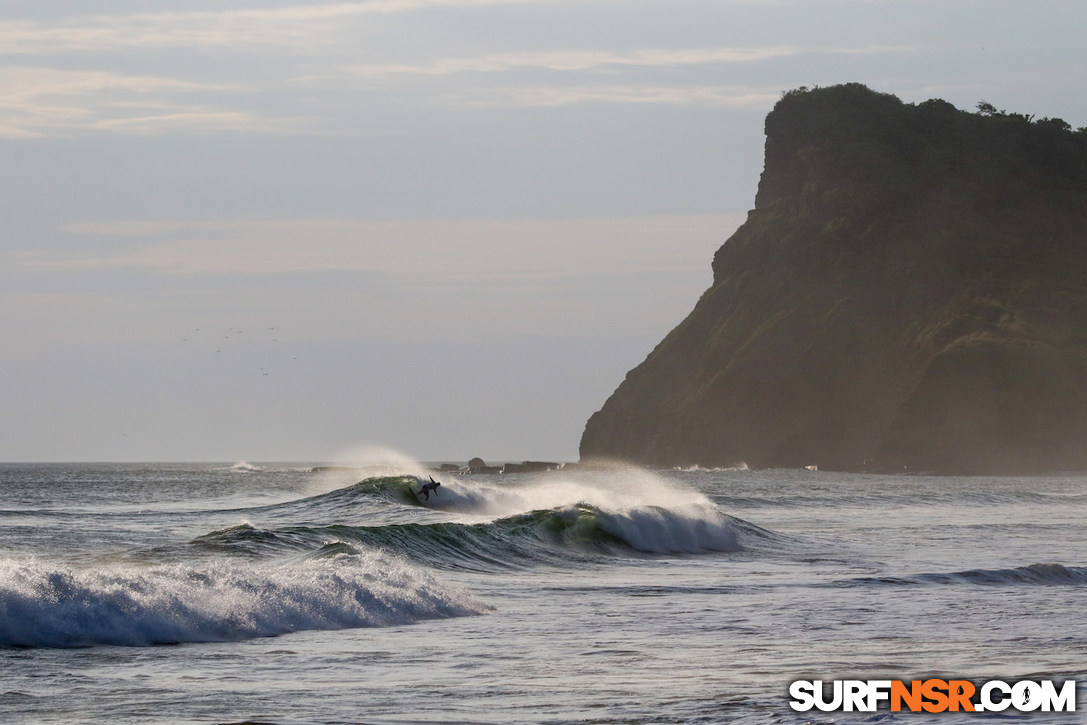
x=635, y=514
x=47, y=606
x=363, y=555
x=482, y=525
x=556, y=536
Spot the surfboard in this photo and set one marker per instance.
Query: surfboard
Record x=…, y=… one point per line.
x=414, y=496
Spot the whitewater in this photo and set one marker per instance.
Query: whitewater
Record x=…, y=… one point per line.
x=290, y=593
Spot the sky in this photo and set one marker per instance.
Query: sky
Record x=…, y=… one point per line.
x=274, y=230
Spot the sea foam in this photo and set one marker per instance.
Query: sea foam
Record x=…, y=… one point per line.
x=43, y=605
x=647, y=512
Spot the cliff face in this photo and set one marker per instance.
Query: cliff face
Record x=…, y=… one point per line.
x=909, y=292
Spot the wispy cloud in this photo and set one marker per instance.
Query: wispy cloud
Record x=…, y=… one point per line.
x=550, y=97
x=580, y=60
x=23, y=83
x=295, y=26
x=184, y=120
x=37, y=102
x=269, y=65
x=590, y=76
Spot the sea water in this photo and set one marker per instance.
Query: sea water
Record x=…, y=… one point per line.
x=274, y=593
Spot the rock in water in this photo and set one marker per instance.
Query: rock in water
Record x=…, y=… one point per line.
x=478, y=465
x=909, y=293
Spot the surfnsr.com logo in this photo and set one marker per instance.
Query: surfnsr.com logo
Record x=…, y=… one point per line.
x=933, y=695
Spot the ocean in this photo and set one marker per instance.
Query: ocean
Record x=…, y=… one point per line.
x=276, y=593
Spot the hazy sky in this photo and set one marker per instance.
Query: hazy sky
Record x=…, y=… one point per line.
x=268, y=230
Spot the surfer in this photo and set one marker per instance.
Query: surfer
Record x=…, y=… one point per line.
x=428, y=487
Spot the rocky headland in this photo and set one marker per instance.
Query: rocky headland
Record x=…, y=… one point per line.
x=909, y=293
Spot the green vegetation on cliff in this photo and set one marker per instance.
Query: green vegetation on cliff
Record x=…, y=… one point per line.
x=909, y=292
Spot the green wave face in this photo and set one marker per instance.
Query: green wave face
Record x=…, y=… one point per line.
x=561, y=535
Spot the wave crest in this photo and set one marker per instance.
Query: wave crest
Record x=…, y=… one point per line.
x=559, y=536
x=1047, y=574
x=48, y=606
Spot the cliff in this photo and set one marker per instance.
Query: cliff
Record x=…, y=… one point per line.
x=909, y=293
